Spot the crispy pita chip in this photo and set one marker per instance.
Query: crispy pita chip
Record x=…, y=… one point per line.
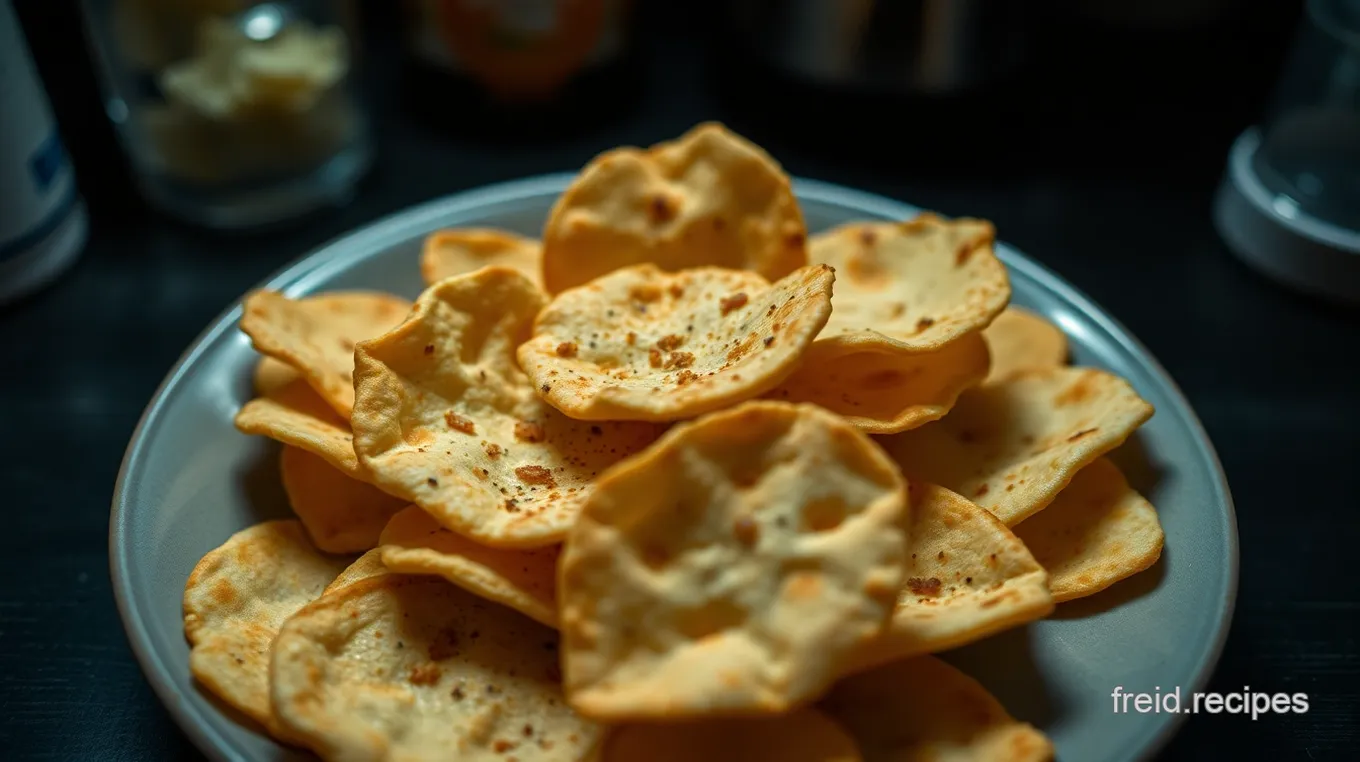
x=272, y=375
x=341, y=514
x=644, y=344
x=444, y=417
x=913, y=286
x=402, y=668
x=886, y=392
x=1021, y=340
x=709, y=198
x=1012, y=446
x=295, y=415
x=461, y=250
x=368, y=565
x=524, y=580
x=923, y=710
x=806, y=735
x=1096, y=533
x=968, y=578
x=732, y=568
x=236, y=599
x=316, y=334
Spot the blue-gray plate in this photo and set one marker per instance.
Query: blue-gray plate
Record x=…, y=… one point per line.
x=189, y=480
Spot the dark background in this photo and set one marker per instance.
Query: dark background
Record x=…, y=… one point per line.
x=1099, y=158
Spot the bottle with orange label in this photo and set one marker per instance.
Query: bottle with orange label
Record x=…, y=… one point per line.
x=502, y=60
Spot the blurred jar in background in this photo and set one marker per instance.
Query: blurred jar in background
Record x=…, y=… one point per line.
x=500, y=61
x=234, y=114
x=1289, y=204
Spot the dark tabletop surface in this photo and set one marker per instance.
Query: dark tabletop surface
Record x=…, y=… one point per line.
x=1111, y=192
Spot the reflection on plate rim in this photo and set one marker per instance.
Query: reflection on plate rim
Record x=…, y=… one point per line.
x=296, y=276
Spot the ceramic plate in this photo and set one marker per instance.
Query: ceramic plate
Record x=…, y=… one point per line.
x=189, y=480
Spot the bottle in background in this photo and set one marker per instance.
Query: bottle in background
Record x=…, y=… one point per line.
x=43, y=225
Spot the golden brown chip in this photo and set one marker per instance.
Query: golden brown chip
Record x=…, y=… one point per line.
x=731, y=568
x=524, y=580
x=912, y=286
x=1021, y=340
x=295, y=415
x=644, y=344
x=236, y=599
x=1012, y=446
x=923, y=710
x=886, y=392
x=806, y=735
x=461, y=250
x=444, y=417
x=967, y=578
x=709, y=198
x=1097, y=532
x=403, y=668
x=272, y=375
x=316, y=334
x=368, y=565
x=341, y=514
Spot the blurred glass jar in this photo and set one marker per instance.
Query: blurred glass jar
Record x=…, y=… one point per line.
x=1289, y=204
x=234, y=114
x=507, y=68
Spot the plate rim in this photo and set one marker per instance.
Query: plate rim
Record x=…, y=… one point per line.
x=316, y=262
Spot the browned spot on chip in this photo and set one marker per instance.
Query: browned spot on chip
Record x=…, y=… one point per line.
x=980, y=491
x=425, y=674
x=675, y=290
x=685, y=377
x=645, y=292
x=566, y=349
x=740, y=350
x=924, y=587
x=661, y=209
x=417, y=437
x=535, y=475
x=883, y=379
x=1077, y=392
x=493, y=450
x=654, y=358
x=679, y=360
x=795, y=239
x=670, y=342
x=867, y=271
x=459, y=423
x=528, y=432
x=733, y=302
x=803, y=585
x=444, y=645
x=1082, y=433
x=632, y=339
x=429, y=349
x=924, y=323
x=746, y=531
x=966, y=250
x=223, y=592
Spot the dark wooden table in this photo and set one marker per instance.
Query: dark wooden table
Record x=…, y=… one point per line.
x=1114, y=200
